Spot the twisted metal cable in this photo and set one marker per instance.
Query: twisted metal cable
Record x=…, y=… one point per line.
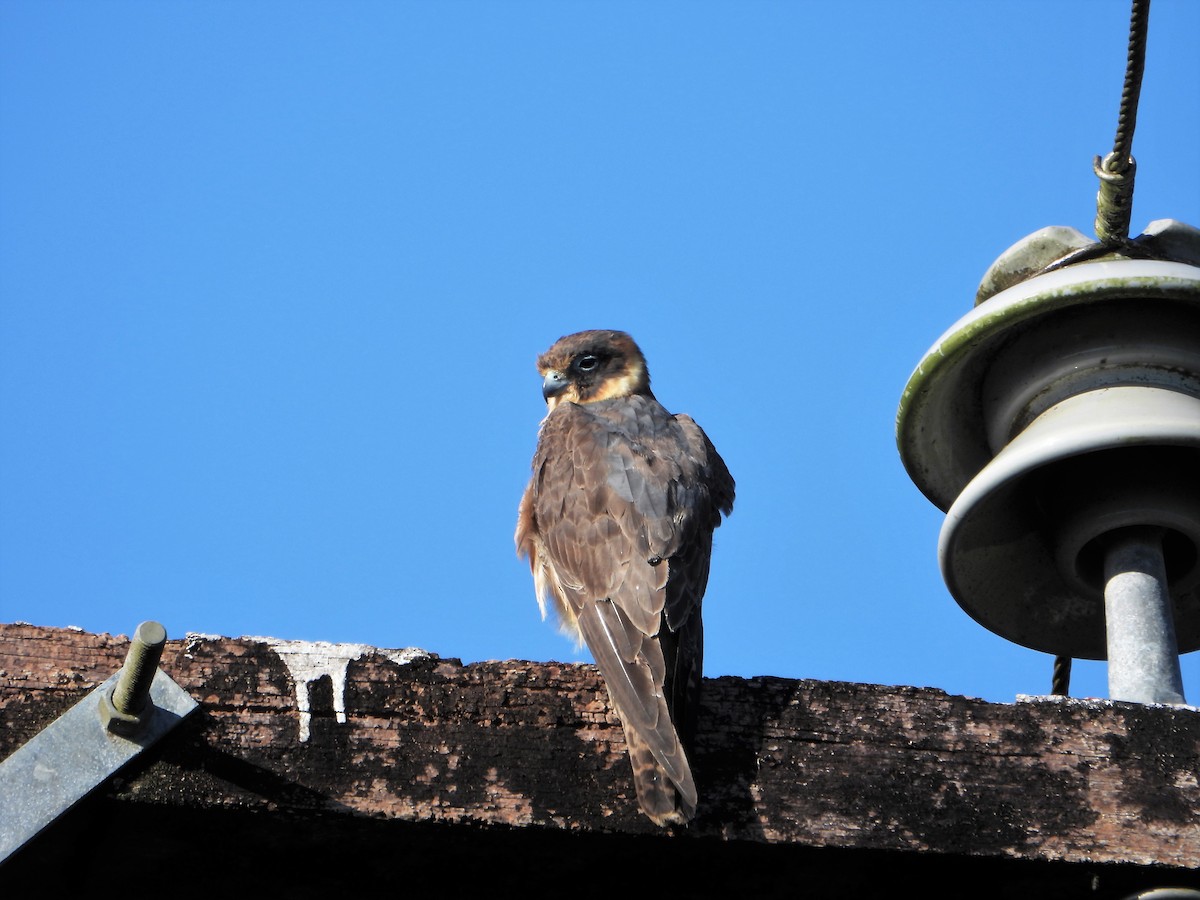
x=1114, y=202
x=1060, y=683
x=1135, y=64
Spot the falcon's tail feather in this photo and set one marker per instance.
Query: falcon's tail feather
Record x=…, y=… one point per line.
x=658, y=797
x=634, y=672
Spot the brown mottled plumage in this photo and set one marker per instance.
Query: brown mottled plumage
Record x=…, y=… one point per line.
x=617, y=525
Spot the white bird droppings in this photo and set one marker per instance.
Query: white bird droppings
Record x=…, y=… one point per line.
x=307, y=661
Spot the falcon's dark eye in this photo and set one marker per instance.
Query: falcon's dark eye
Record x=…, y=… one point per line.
x=587, y=363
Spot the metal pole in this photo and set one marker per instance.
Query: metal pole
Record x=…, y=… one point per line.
x=1143, y=656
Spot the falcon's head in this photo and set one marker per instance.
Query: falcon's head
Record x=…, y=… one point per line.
x=593, y=365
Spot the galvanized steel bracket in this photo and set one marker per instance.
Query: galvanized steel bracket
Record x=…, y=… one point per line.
x=75, y=754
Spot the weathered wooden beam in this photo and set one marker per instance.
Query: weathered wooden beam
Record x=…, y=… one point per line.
x=357, y=735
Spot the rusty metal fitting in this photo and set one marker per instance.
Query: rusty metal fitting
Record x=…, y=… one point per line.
x=127, y=707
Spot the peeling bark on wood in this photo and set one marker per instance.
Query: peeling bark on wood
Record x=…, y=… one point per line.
x=824, y=776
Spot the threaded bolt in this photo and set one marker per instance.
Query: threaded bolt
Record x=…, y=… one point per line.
x=141, y=662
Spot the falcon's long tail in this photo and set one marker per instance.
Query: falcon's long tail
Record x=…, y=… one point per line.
x=657, y=795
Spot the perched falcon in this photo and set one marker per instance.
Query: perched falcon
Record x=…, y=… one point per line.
x=617, y=525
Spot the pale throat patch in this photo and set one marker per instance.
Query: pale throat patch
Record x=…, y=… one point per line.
x=552, y=402
x=629, y=383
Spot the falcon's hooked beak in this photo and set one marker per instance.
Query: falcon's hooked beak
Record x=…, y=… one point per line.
x=554, y=384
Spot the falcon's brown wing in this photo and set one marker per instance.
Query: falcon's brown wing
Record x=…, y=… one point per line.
x=617, y=522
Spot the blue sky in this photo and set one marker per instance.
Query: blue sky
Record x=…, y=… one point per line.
x=273, y=277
